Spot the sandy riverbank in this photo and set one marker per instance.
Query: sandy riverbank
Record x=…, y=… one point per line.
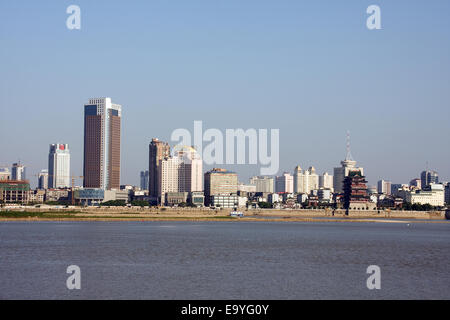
x=189, y=214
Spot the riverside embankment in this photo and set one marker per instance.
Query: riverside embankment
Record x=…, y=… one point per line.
x=49, y=213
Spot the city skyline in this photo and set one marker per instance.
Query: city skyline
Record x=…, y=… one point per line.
x=310, y=72
x=347, y=162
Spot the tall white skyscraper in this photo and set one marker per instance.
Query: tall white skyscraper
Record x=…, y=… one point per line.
x=59, y=166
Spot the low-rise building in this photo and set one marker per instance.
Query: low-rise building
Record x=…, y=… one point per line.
x=432, y=194
x=13, y=191
x=325, y=195
x=224, y=201
x=117, y=195
x=89, y=196
x=196, y=198
x=57, y=195
x=274, y=198
x=302, y=198
x=175, y=198
x=37, y=196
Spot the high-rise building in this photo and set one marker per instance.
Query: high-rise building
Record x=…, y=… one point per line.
x=192, y=169
x=326, y=181
x=347, y=166
x=181, y=172
x=263, y=184
x=158, y=150
x=219, y=182
x=284, y=183
x=43, y=180
x=169, y=177
x=384, y=187
x=18, y=172
x=305, y=181
x=101, y=167
x=144, y=180
x=428, y=177
x=59, y=166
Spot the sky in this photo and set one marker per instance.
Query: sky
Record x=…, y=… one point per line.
x=311, y=69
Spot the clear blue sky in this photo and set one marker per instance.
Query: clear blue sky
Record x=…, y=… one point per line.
x=309, y=68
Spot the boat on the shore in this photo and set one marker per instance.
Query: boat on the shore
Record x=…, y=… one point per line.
x=238, y=214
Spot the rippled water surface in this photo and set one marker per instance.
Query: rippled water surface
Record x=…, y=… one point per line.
x=224, y=260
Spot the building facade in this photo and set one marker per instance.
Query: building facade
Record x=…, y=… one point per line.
x=326, y=181
x=384, y=187
x=191, y=169
x=14, y=191
x=284, y=183
x=428, y=177
x=219, y=182
x=158, y=150
x=5, y=174
x=417, y=183
x=144, y=178
x=224, y=201
x=305, y=181
x=101, y=166
x=43, y=180
x=59, y=166
x=18, y=172
x=263, y=184
x=179, y=173
x=433, y=194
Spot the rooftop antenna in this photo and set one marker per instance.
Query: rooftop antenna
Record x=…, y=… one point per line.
x=348, y=157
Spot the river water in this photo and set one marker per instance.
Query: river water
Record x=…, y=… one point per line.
x=224, y=260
